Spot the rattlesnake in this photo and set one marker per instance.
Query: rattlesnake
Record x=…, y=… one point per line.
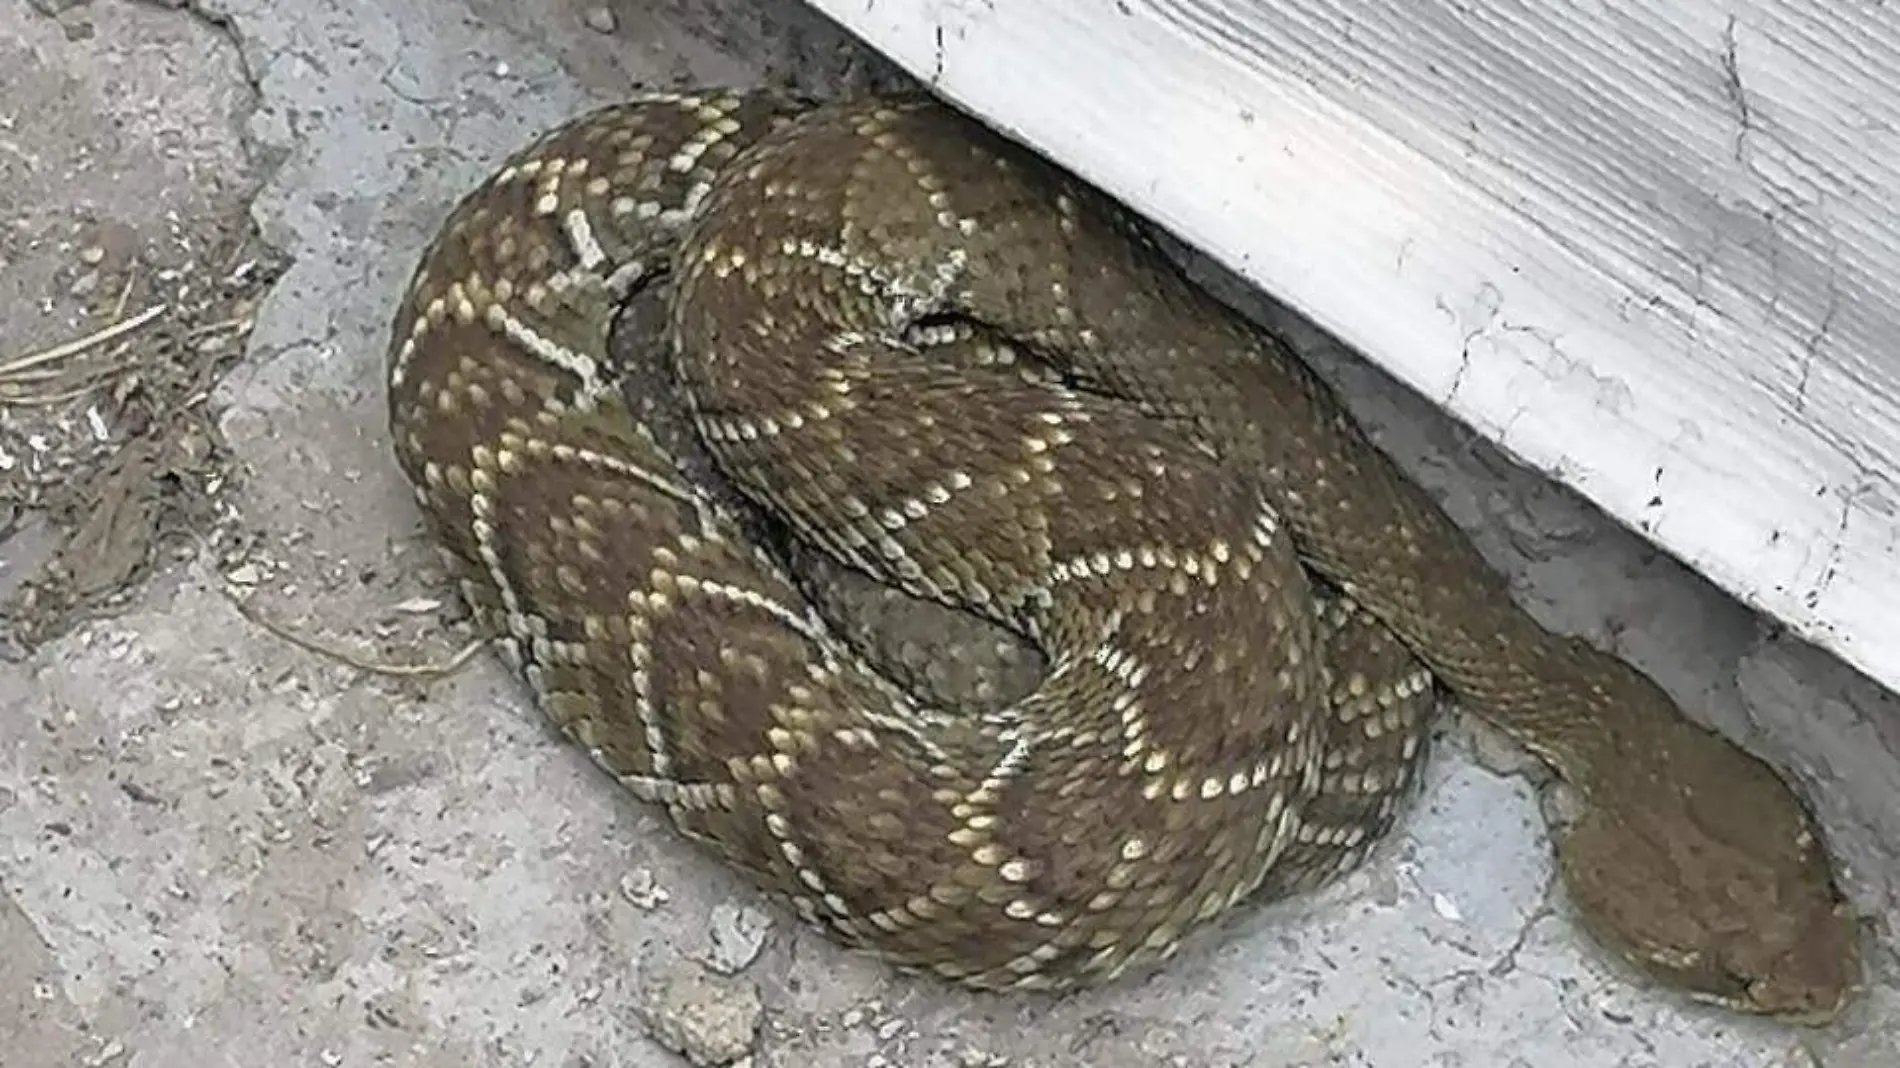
x=905, y=342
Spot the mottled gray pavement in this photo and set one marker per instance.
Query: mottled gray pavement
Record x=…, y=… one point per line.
x=216, y=848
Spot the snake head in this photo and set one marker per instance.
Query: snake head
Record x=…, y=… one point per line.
x=1700, y=866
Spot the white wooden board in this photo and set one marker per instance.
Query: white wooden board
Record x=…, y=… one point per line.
x=1650, y=247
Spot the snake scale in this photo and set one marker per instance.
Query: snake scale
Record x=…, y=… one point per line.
x=914, y=348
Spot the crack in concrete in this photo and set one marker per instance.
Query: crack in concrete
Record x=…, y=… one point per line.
x=1732, y=87
x=1811, y=348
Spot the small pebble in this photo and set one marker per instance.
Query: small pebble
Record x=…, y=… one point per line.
x=1447, y=908
x=736, y=934
x=642, y=891
x=708, y=1019
x=600, y=18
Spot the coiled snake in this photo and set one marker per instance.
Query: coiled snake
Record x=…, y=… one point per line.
x=905, y=343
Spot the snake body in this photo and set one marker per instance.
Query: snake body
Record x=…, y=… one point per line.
x=906, y=343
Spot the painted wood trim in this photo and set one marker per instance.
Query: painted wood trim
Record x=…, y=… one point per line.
x=1650, y=248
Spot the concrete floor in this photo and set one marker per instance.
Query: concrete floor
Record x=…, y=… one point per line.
x=217, y=848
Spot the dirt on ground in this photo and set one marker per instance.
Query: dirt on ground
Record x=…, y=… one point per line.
x=129, y=294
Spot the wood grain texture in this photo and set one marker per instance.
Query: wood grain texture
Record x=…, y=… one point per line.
x=1650, y=249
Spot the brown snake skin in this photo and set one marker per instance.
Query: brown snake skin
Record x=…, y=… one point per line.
x=956, y=370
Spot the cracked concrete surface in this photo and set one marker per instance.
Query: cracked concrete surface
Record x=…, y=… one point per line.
x=218, y=848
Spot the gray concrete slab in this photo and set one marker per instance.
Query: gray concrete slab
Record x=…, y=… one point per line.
x=219, y=848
